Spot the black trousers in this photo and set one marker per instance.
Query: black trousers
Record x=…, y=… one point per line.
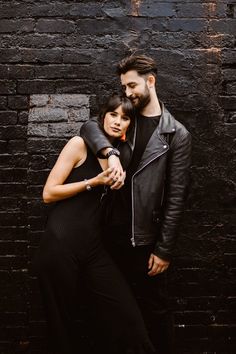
x=150, y=292
x=115, y=319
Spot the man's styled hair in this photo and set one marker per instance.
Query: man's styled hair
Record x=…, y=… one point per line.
x=141, y=63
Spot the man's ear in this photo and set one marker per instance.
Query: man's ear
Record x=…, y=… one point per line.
x=151, y=80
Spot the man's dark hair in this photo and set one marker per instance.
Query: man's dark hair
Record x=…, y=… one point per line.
x=141, y=63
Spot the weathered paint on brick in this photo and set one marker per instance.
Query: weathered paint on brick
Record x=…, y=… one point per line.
x=57, y=66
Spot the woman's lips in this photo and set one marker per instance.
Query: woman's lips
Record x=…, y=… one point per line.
x=116, y=130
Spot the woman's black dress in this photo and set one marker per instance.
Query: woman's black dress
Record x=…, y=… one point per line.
x=72, y=259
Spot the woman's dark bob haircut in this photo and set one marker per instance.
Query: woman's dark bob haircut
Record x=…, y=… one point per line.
x=113, y=102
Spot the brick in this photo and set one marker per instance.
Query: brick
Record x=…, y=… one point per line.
x=39, y=100
x=13, y=175
x=55, y=115
x=37, y=223
x=229, y=103
x=33, y=55
x=101, y=26
x=191, y=331
x=156, y=9
x=18, y=102
x=7, y=87
x=16, y=146
x=10, y=55
x=35, y=191
x=189, y=25
x=194, y=317
x=8, y=118
x=16, y=71
x=78, y=115
x=61, y=130
x=45, y=114
x=23, y=117
x=74, y=86
x=12, y=262
x=13, y=218
x=13, y=233
x=12, y=132
x=9, y=10
x=229, y=74
x=14, y=160
x=35, y=130
x=37, y=207
x=3, y=102
x=45, y=146
x=25, y=25
x=63, y=71
x=201, y=10
x=79, y=56
x=86, y=10
x=220, y=26
x=55, y=26
x=231, y=88
x=13, y=248
x=228, y=56
x=36, y=86
x=231, y=118
x=69, y=101
x=36, y=40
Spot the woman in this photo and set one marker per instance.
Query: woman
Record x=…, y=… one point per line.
x=71, y=254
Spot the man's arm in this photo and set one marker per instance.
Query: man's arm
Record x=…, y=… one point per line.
x=177, y=177
x=95, y=138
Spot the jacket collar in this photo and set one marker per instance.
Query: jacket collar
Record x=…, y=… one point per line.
x=167, y=121
x=166, y=126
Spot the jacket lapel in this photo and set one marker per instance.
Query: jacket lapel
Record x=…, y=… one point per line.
x=157, y=144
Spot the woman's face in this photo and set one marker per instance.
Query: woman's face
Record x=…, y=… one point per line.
x=116, y=123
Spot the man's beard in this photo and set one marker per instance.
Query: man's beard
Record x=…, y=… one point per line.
x=141, y=101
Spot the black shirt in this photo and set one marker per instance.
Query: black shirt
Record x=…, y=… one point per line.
x=120, y=215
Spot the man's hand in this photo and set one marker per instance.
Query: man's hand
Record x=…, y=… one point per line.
x=156, y=265
x=117, y=174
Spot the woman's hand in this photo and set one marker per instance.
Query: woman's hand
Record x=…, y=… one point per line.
x=105, y=177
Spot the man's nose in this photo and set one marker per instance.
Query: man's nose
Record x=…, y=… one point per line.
x=128, y=92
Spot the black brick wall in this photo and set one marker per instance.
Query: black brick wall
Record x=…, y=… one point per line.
x=71, y=47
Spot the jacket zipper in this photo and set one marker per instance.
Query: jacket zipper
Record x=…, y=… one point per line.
x=132, y=192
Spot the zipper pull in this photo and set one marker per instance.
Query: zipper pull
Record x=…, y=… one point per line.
x=132, y=241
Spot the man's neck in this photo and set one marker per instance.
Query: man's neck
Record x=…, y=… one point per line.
x=152, y=109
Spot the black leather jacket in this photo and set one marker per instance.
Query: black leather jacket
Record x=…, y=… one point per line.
x=159, y=184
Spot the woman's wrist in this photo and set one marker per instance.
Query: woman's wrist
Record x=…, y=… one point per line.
x=92, y=182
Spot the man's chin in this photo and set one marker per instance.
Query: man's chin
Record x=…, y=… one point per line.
x=135, y=102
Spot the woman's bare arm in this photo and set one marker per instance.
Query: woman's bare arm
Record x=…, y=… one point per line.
x=73, y=154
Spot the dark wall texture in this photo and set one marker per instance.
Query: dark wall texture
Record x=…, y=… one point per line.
x=56, y=65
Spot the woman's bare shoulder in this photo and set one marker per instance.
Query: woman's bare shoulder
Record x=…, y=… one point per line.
x=77, y=143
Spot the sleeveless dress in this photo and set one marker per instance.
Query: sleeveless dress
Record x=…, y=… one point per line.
x=75, y=222
x=71, y=257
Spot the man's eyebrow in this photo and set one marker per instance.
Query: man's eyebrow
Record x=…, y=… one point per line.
x=130, y=83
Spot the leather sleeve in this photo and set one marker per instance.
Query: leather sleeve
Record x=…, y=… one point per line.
x=94, y=136
x=175, y=194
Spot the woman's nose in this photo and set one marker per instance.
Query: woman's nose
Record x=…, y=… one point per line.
x=117, y=121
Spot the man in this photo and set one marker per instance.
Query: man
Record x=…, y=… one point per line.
x=144, y=214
